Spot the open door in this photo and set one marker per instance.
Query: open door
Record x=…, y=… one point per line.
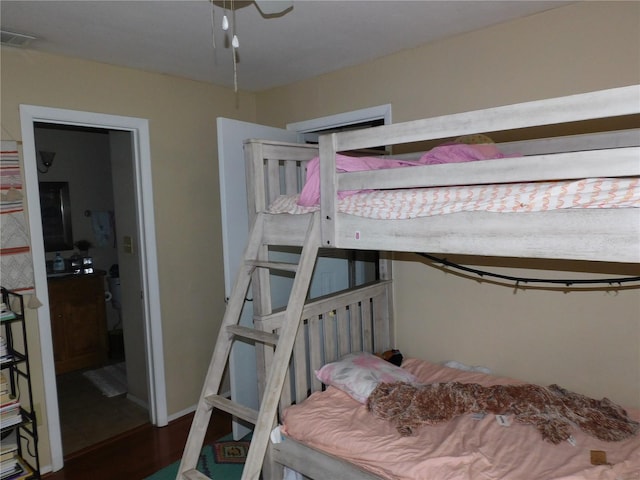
x=331, y=272
x=235, y=232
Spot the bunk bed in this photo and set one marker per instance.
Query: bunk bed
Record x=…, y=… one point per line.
x=361, y=319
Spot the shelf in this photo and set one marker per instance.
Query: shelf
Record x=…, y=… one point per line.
x=15, y=359
x=14, y=318
x=16, y=373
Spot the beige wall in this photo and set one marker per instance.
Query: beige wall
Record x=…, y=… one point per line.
x=589, y=342
x=182, y=122
x=585, y=341
x=583, y=47
x=579, y=48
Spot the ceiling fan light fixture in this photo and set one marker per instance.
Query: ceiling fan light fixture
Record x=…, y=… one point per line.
x=13, y=39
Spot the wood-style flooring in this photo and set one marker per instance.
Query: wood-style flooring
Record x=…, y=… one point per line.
x=136, y=454
x=88, y=417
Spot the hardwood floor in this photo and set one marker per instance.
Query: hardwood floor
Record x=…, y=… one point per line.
x=136, y=454
x=88, y=417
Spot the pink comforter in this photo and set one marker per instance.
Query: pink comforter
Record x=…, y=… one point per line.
x=453, y=153
x=462, y=449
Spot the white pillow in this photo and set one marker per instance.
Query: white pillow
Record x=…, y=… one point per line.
x=359, y=373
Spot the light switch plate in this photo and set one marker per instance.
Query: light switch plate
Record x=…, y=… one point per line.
x=127, y=244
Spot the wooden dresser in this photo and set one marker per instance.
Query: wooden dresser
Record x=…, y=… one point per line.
x=78, y=321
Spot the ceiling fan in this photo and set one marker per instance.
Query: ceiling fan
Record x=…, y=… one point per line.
x=268, y=8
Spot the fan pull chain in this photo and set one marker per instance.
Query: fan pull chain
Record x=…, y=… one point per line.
x=235, y=72
x=213, y=25
x=225, y=20
x=235, y=43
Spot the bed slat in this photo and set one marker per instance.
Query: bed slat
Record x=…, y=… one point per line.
x=300, y=366
x=315, y=351
x=367, y=330
x=573, y=108
x=342, y=325
x=355, y=324
x=622, y=162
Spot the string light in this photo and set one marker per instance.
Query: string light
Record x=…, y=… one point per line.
x=613, y=283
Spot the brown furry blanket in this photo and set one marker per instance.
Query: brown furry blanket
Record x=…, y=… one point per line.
x=553, y=410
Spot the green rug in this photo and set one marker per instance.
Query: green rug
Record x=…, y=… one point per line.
x=206, y=465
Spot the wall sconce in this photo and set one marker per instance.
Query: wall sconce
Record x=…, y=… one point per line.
x=46, y=159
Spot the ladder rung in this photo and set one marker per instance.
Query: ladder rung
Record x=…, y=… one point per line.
x=287, y=267
x=194, y=475
x=234, y=408
x=254, y=334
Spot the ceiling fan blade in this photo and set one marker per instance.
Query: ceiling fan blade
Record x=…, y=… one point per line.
x=274, y=7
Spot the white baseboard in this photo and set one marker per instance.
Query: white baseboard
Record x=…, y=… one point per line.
x=138, y=401
x=192, y=409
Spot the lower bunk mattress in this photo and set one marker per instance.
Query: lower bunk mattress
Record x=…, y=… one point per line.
x=467, y=447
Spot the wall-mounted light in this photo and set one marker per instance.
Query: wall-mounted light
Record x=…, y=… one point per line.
x=46, y=159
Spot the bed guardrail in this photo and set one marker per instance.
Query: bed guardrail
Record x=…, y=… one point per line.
x=352, y=321
x=614, y=102
x=274, y=168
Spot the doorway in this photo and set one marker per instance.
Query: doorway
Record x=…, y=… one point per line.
x=128, y=138
x=90, y=326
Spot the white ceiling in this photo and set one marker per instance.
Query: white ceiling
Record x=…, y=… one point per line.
x=315, y=37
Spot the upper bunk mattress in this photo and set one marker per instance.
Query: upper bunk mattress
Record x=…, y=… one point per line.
x=462, y=449
x=590, y=193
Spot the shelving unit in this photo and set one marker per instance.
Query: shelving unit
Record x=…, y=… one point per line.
x=19, y=425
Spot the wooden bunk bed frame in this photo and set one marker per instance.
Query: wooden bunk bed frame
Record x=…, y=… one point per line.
x=361, y=319
x=581, y=234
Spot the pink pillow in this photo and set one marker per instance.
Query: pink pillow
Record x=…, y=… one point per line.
x=359, y=373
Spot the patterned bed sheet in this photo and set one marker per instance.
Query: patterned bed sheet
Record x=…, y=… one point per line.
x=590, y=193
x=465, y=448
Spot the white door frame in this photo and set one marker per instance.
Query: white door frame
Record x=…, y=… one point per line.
x=341, y=119
x=139, y=128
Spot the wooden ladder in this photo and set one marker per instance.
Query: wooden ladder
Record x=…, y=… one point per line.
x=265, y=418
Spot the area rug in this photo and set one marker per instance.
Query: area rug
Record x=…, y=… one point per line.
x=231, y=452
x=208, y=465
x=111, y=380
